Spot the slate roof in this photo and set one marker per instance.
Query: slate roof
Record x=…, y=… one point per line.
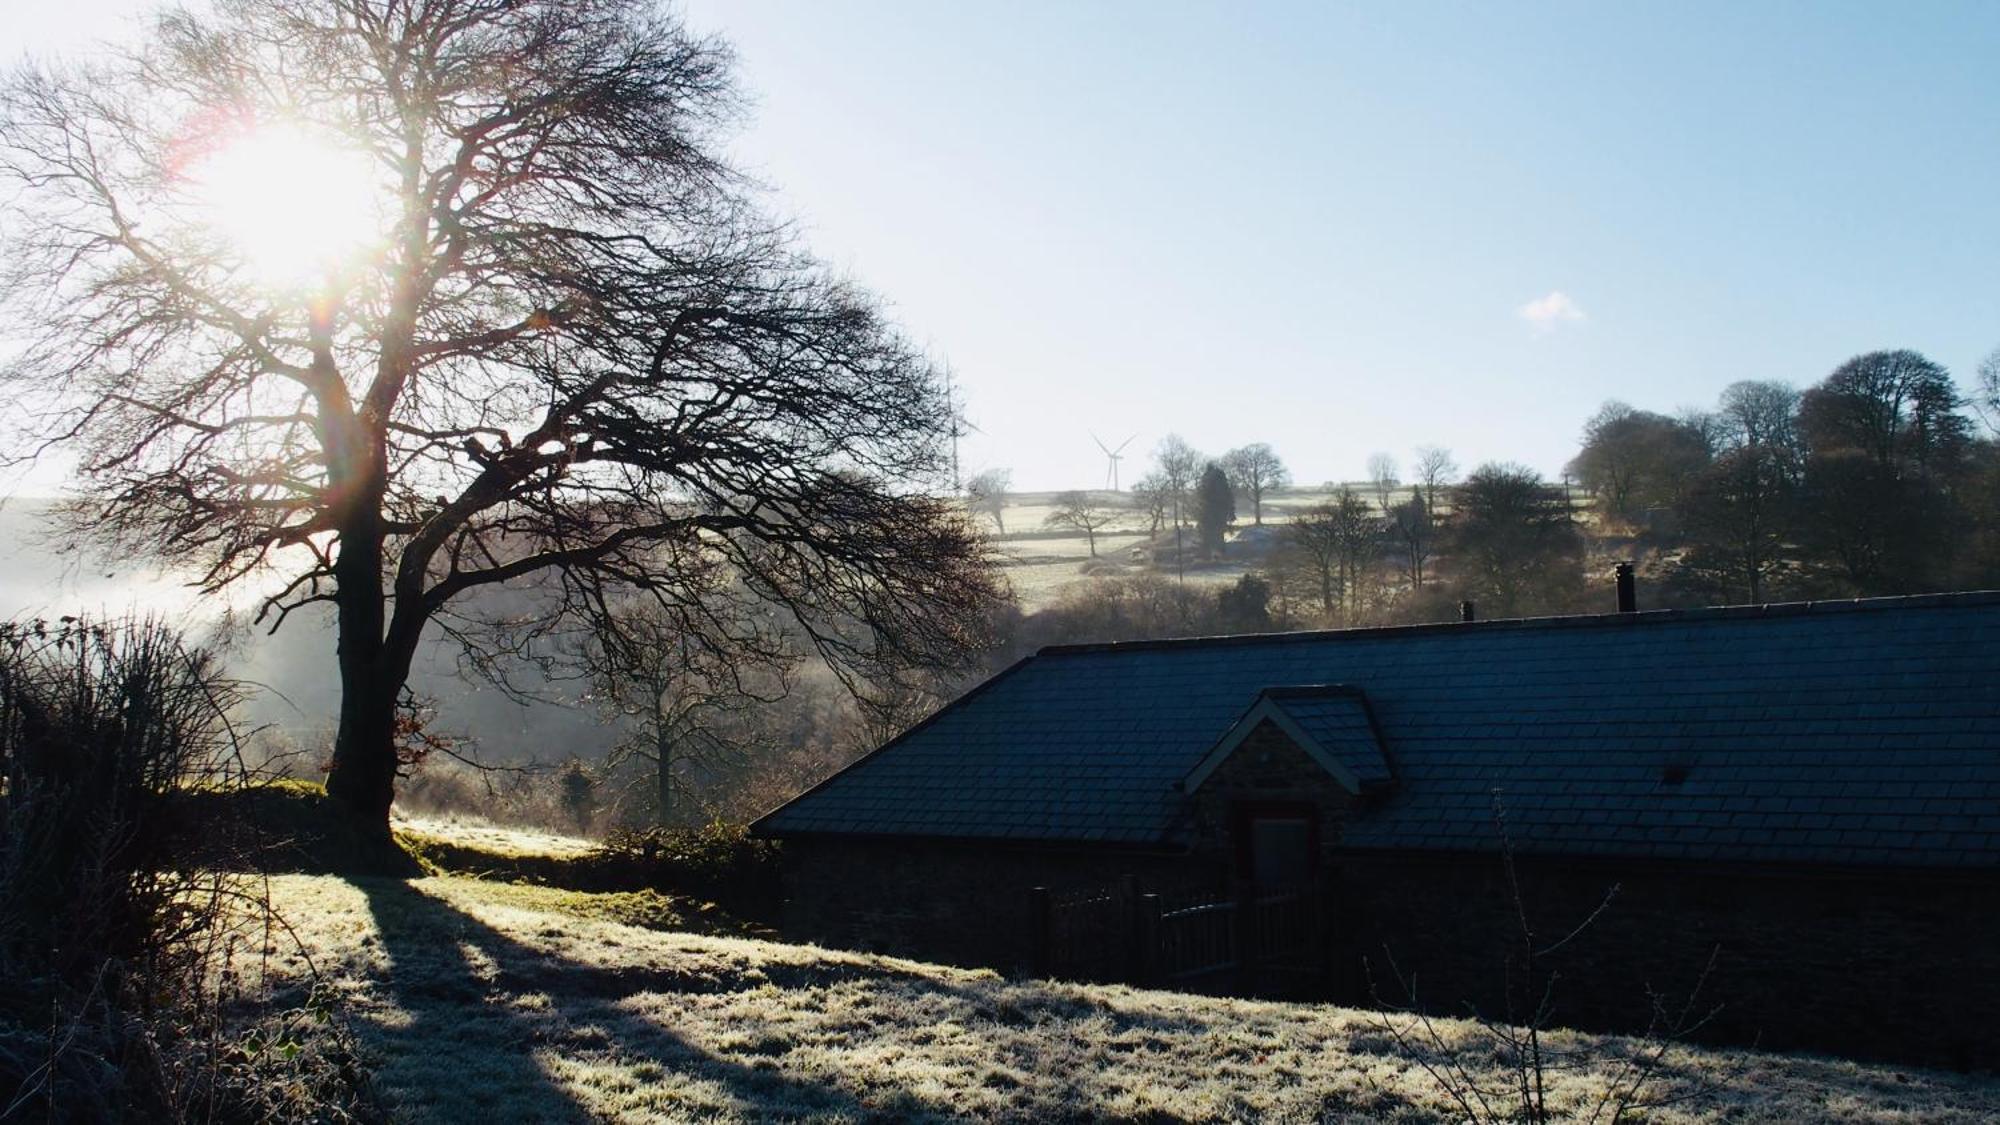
x=1863, y=732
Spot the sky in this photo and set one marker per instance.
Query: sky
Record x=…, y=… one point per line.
x=1344, y=229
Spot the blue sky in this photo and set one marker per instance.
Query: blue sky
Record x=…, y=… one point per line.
x=1319, y=226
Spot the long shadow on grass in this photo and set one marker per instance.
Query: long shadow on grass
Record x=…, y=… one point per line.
x=477, y=1013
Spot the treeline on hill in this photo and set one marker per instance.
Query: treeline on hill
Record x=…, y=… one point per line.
x=1874, y=481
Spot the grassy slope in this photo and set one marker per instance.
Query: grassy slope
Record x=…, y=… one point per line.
x=481, y=1000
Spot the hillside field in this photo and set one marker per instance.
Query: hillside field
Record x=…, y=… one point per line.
x=1042, y=562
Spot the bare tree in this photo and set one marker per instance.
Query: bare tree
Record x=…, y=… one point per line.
x=1180, y=467
x=1708, y=429
x=688, y=681
x=567, y=338
x=1435, y=470
x=1414, y=534
x=1761, y=412
x=1514, y=546
x=1081, y=511
x=986, y=494
x=1739, y=525
x=1382, y=470
x=1985, y=397
x=1335, y=541
x=1898, y=407
x=1255, y=469
x=1153, y=498
x=1636, y=459
x=1501, y=1072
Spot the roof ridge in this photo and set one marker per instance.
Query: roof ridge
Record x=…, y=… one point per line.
x=1281, y=692
x=1952, y=600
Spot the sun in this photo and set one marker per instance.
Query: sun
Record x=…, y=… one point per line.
x=298, y=207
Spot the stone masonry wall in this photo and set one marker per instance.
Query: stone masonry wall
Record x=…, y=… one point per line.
x=963, y=903
x=1268, y=768
x=1898, y=965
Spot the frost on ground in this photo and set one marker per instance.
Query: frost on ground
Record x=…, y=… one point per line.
x=464, y=831
x=475, y=1001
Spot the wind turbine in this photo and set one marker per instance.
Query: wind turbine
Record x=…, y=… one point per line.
x=955, y=400
x=1115, y=455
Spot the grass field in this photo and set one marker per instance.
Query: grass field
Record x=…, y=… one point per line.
x=477, y=1001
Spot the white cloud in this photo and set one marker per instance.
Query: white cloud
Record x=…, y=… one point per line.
x=1546, y=313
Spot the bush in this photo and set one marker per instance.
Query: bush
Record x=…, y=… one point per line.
x=115, y=925
x=720, y=862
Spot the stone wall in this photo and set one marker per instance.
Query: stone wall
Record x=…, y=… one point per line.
x=1895, y=965
x=1267, y=768
x=963, y=903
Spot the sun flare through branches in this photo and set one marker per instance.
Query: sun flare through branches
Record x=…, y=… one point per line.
x=298, y=206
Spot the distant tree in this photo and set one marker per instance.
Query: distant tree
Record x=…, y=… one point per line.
x=1763, y=413
x=1081, y=511
x=1882, y=505
x=1635, y=459
x=577, y=790
x=1215, y=508
x=1335, y=541
x=686, y=682
x=1739, y=524
x=986, y=494
x=1707, y=429
x=1245, y=607
x=1254, y=470
x=565, y=335
x=1985, y=397
x=1382, y=478
x=1153, y=497
x=1868, y=531
x=1139, y=607
x=1898, y=407
x=1435, y=470
x=1179, y=468
x=1514, y=547
x=1414, y=536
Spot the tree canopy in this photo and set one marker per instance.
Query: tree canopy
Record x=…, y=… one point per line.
x=564, y=341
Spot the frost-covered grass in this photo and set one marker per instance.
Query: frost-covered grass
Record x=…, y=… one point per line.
x=479, y=1001
x=473, y=833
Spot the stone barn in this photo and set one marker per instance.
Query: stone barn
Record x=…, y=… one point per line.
x=1794, y=807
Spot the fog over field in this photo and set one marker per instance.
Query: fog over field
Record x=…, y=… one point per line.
x=290, y=672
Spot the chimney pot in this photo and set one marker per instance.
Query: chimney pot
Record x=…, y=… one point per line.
x=1628, y=589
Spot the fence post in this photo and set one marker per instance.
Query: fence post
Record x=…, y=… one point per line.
x=1323, y=933
x=1040, y=938
x=1149, y=940
x=1242, y=934
x=1128, y=892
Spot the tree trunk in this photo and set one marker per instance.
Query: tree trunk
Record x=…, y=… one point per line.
x=362, y=776
x=664, y=748
x=373, y=669
x=374, y=661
